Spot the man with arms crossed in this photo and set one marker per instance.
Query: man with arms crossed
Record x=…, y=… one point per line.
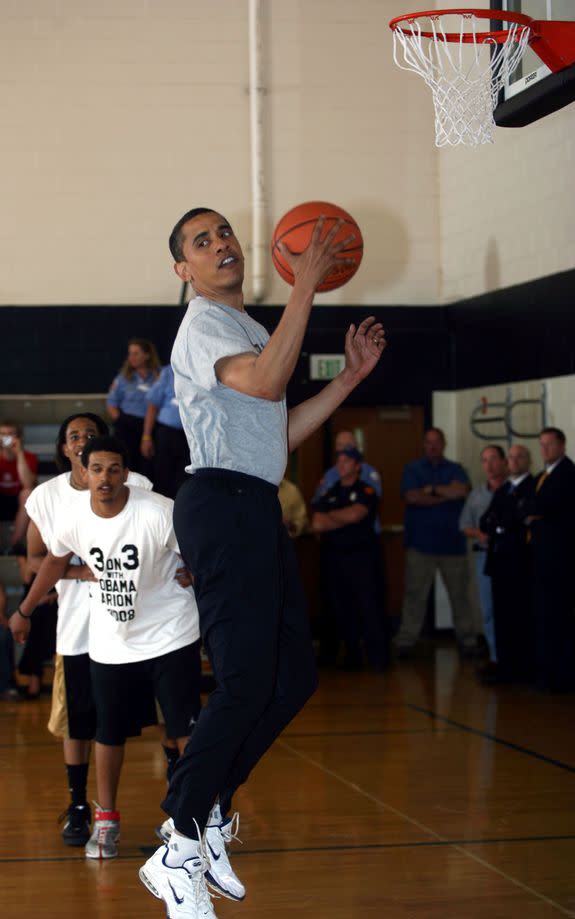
x=143, y=632
x=230, y=381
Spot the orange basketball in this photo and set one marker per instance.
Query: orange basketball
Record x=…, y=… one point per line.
x=295, y=229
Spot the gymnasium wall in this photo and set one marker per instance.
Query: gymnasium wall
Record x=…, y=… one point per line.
x=506, y=209
x=117, y=116
x=453, y=411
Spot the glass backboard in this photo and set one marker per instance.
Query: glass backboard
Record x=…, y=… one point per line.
x=532, y=90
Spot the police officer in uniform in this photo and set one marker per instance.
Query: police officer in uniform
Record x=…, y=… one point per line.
x=344, y=517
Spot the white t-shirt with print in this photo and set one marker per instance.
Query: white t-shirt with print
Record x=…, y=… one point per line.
x=48, y=506
x=138, y=610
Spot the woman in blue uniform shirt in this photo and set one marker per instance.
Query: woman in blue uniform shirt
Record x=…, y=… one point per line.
x=126, y=403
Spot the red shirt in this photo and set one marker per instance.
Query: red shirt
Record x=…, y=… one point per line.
x=10, y=484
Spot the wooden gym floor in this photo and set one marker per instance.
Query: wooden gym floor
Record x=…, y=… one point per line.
x=416, y=793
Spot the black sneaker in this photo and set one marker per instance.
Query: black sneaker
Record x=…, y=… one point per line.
x=76, y=831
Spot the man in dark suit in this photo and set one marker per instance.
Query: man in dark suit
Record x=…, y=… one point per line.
x=509, y=566
x=552, y=526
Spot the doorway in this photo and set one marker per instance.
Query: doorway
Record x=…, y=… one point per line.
x=389, y=437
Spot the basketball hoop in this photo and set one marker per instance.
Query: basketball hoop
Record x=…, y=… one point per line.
x=465, y=80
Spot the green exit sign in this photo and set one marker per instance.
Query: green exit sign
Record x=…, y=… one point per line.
x=325, y=366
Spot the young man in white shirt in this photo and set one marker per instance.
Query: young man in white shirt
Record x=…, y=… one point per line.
x=143, y=626
x=73, y=715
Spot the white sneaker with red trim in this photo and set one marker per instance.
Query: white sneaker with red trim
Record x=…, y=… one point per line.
x=103, y=843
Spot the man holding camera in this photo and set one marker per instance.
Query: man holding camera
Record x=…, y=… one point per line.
x=18, y=471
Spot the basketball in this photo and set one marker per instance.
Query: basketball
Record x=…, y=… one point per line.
x=295, y=229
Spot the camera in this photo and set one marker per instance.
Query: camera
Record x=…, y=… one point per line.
x=6, y=440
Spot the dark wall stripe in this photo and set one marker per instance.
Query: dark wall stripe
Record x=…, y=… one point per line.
x=519, y=333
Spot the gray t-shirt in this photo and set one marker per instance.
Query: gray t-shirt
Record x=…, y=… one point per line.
x=225, y=429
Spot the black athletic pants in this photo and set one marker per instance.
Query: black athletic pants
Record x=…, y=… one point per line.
x=255, y=629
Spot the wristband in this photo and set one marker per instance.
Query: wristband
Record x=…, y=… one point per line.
x=146, y=437
x=24, y=616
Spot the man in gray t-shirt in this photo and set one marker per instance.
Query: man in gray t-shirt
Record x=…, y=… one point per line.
x=230, y=381
x=225, y=428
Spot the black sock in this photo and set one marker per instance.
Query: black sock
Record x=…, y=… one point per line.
x=172, y=757
x=77, y=782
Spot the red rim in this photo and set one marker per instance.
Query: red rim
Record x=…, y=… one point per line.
x=499, y=36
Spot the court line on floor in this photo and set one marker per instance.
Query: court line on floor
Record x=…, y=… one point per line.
x=427, y=731
x=53, y=743
x=146, y=851
x=492, y=737
x=425, y=829
x=42, y=743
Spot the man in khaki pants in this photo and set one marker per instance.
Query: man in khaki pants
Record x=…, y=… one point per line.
x=434, y=489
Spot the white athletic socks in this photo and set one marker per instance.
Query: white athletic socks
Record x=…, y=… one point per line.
x=181, y=849
x=215, y=817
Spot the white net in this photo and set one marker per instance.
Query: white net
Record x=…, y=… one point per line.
x=465, y=77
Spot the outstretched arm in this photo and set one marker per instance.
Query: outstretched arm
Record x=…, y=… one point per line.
x=266, y=375
x=363, y=349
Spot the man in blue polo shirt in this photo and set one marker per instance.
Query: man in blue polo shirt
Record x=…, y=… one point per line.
x=434, y=490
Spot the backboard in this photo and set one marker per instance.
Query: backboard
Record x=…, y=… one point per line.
x=532, y=90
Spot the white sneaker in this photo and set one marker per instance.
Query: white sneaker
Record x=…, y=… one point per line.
x=220, y=875
x=165, y=830
x=103, y=843
x=183, y=890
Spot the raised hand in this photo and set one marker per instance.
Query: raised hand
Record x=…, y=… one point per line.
x=364, y=347
x=314, y=264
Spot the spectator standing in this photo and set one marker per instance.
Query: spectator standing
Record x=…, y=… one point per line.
x=293, y=508
x=126, y=403
x=18, y=475
x=509, y=568
x=551, y=518
x=344, y=517
x=434, y=489
x=329, y=642
x=368, y=474
x=494, y=466
x=163, y=437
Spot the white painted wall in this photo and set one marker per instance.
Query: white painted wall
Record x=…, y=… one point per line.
x=506, y=213
x=118, y=116
x=452, y=411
